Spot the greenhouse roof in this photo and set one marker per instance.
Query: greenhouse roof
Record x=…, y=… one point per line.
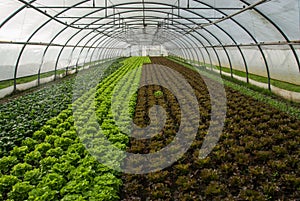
x=64, y=33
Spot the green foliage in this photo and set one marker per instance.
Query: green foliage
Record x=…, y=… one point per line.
x=19, y=152
x=7, y=162
x=54, y=122
x=63, y=143
x=75, y=187
x=24, y=115
x=71, y=158
x=73, y=197
x=20, y=169
x=51, y=138
x=82, y=173
x=7, y=182
x=48, y=162
x=30, y=143
x=101, y=193
x=39, y=136
x=121, y=138
x=108, y=180
x=57, y=165
x=33, y=158
x=43, y=194
x=63, y=168
x=64, y=125
x=47, y=129
x=78, y=148
x=53, y=181
x=158, y=94
x=70, y=134
x=56, y=152
x=33, y=176
x=20, y=191
x=43, y=147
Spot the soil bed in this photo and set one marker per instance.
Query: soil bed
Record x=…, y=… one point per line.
x=257, y=157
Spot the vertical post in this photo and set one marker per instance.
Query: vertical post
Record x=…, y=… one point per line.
x=172, y=15
x=178, y=7
x=114, y=13
x=55, y=74
x=105, y=8
x=188, y=3
x=167, y=21
x=94, y=4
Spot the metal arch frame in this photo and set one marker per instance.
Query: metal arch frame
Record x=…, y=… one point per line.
x=111, y=21
x=295, y=54
x=91, y=46
x=92, y=51
x=254, y=39
x=171, y=32
x=87, y=50
x=45, y=51
x=30, y=37
x=217, y=55
x=183, y=30
x=148, y=20
x=234, y=41
x=67, y=26
x=197, y=14
x=176, y=7
x=84, y=47
x=174, y=51
x=225, y=50
x=62, y=49
x=15, y=13
x=107, y=38
x=106, y=42
x=137, y=3
x=279, y=30
x=77, y=62
x=185, y=43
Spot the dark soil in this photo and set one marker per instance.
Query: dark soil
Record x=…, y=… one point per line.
x=257, y=157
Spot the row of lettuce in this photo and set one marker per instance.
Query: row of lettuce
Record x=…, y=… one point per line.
x=248, y=90
x=22, y=116
x=61, y=160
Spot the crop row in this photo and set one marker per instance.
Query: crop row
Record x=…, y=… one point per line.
x=21, y=117
x=256, y=158
x=54, y=163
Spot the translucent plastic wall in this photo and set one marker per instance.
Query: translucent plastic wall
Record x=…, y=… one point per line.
x=262, y=40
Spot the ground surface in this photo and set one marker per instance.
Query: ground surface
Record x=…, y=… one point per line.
x=257, y=157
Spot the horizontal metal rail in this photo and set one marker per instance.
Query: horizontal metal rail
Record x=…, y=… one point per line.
x=139, y=17
x=49, y=44
x=132, y=7
x=251, y=44
x=257, y=44
x=232, y=15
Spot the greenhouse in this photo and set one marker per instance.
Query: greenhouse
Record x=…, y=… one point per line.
x=107, y=100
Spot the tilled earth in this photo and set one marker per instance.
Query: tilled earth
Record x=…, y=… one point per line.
x=257, y=157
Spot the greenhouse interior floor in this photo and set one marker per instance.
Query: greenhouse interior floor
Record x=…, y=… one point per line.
x=46, y=136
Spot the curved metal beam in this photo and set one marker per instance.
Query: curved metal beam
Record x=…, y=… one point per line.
x=279, y=30
x=15, y=13
x=30, y=37
x=260, y=49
